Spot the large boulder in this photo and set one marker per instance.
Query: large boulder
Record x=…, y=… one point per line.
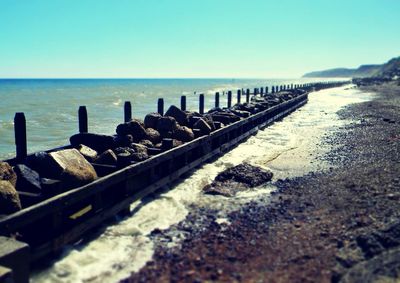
x=135, y=128
x=28, y=180
x=179, y=115
x=153, y=135
x=247, y=174
x=9, y=199
x=7, y=173
x=238, y=178
x=151, y=119
x=184, y=134
x=166, y=125
x=97, y=142
x=140, y=153
x=70, y=167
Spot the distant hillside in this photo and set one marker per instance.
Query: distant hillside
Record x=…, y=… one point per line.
x=362, y=71
x=390, y=70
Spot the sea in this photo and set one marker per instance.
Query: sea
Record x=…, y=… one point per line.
x=51, y=105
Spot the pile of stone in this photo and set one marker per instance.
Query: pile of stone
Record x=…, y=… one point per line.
x=91, y=155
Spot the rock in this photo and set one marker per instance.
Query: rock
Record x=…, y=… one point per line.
x=245, y=173
x=96, y=142
x=237, y=178
x=51, y=187
x=108, y=157
x=123, y=150
x=122, y=141
x=147, y=143
x=135, y=128
x=28, y=180
x=9, y=199
x=138, y=148
x=380, y=268
x=153, y=135
x=203, y=126
x=227, y=189
x=176, y=143
x=179, y=115
x=70, y=167
x=184, y=134
x=38, y=162
x=167, y=144
x=151, y=119
x=139, y=156
x=241, y=113
x=7, y=173
x=166, y=125
x=87, y=152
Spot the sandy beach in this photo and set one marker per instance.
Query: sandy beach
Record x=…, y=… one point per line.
x=341, y=224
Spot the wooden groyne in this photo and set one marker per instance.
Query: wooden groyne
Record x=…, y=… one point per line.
x=49, y=222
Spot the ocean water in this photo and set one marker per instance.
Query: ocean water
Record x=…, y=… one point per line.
x=51, y=105
x=287, y=147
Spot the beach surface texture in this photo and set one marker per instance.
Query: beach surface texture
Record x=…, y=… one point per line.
x=340, y=224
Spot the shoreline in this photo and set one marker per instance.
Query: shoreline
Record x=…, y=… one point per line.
x=322, y=226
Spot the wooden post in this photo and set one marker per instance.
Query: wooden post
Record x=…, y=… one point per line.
x=229, y=99
x=83, y=119
x=266, y=90
x=247, y=95
x=160, y=106
x=277, y=88
x=127, y=111
x=255, y=91
x=261, y=91
x=201, y=104
x=239, y=95
x=183, y=103
x=291, y=86
x=273, y=89
x=217, y=100
x=20, y=136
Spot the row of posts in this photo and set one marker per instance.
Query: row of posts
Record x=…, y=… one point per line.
x=20, y=121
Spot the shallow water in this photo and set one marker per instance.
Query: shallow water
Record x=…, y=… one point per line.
x=51, y=106
x=287, y=147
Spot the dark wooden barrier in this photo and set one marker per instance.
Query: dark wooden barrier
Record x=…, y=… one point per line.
x=183, y=103
x=127, y=111
x=160, y=106
x=201, y=104
x=217, y=99
x=83, y=119
x=20, y=136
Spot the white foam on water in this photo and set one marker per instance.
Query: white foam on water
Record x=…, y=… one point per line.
x=125, y=247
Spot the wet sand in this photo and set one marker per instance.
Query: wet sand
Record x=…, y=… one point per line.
x=338, y=224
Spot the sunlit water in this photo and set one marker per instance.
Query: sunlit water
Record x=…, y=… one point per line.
x=287, y=147
x=51, y=106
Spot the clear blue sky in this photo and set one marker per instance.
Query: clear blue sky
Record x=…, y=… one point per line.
x=189, y=38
